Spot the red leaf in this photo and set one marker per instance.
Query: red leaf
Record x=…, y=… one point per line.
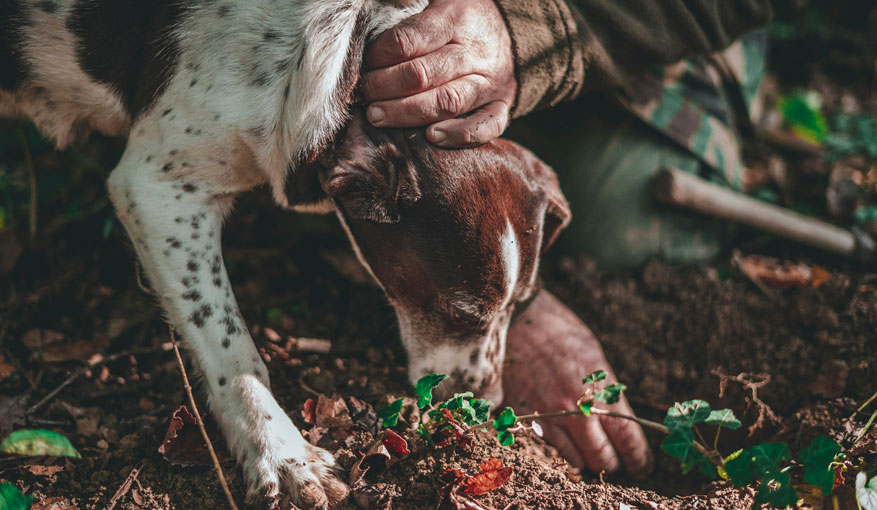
x=397, y=446
x=308, y=411
x=493, y=474
x=385, y=451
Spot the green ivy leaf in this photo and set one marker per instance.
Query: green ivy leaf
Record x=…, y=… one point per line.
x=686, y=414
x=423, y=388
x=482, y=409
x=775, y=488
x=505, y=419
x=738, y=466
x=593, y=377
x=585, y=407
x=12, y=499
x=610, y=394
x=506, y=438
x=817, y=458
x=723, y=418
x=38, y=442
x=766, y=457
x=390, y=415
x=680, y=444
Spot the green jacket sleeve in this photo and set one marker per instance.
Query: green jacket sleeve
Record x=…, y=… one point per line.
x=565, y=47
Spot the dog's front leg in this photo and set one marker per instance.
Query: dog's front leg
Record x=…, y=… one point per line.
x=173, y=214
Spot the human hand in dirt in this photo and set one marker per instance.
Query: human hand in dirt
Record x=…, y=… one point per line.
x=549, y=351
x=449, y=67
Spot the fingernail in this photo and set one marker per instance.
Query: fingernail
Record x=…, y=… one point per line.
x=438, y=136
x=375, y=114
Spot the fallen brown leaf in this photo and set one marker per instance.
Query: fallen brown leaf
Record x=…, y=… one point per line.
x=183, y=444
x=6, y=369
x=380, y=455
x=493, y=474
x=54, y=504
x=778, y=273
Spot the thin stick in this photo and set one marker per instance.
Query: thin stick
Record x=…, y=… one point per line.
x=863, y=406
x=865, y=428
x=126, y=486
x=188, y=387
x=107, y=359
x=32, y=182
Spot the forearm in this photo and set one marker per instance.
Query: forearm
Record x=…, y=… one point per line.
x=564, y=47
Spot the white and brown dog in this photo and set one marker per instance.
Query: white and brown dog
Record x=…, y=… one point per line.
x=219, y=96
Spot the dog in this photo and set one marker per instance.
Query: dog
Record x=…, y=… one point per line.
x=217, y=97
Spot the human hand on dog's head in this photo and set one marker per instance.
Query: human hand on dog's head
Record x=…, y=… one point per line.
x=452, y=60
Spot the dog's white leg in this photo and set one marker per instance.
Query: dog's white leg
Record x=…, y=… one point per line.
x=173, y=214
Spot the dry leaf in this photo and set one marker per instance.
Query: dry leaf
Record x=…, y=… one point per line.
x=380, y=455
x=777, y=273
x=493, y=474
x=183, y=444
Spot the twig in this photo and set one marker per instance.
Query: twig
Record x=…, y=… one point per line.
x=32, y=182
x=304, y=385
x=748, y=381
x=209, y=444
x=126, y=486
x=104, y=360
x=863, y=406
x=865, y=428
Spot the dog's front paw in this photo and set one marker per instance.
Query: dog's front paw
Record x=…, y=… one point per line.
x=285, y=468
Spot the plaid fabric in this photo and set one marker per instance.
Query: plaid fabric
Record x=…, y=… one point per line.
x=701, y=103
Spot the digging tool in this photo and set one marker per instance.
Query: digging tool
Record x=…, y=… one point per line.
x=675, y=187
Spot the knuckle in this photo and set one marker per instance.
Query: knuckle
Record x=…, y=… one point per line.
x=403, y=38
x=416, y=76
x=449, y=101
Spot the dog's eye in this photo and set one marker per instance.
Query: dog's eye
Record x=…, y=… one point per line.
x=463, y=318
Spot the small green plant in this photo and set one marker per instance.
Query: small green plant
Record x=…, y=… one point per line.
x=765, y=466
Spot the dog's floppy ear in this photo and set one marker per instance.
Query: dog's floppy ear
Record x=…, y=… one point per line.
x=369, y=182
x=557, y=214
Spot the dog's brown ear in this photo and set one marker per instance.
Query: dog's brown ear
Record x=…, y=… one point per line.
x=370, y=183
x=557, y=214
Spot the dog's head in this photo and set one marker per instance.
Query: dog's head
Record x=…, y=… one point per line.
x=454, y=237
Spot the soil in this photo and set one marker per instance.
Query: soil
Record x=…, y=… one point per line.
x=667, y=332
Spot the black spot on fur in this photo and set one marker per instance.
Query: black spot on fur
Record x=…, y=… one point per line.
x=192, y=295
x=226, y=342
x=148, y=159
x=189, y=187
x=195, y=236
x=178, y=219
x=222, y=381
x=166, y=112
x=192, y=266
x=173, y=152
x=217, y=282
x=174, y=242
x=473, y=358
x=193, y=82
x=189, y=130
x=223, y=10
x=187, y=281
x=128, y=46
x=167, y=167
x=216, y=265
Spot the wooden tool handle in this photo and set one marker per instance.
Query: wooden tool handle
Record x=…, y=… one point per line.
x=676, y=187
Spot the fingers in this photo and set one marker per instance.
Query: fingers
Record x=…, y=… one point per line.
x=558, y=438
x=441, y=103
x=418, y=75
x=484, y=125
x=592, y=442
x=418, y=35
x=629, y=441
